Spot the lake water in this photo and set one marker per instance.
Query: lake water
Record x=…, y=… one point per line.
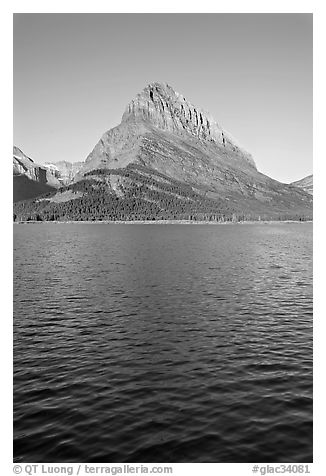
x=162, y=343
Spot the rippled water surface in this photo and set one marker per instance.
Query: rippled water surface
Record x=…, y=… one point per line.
x=162, y=343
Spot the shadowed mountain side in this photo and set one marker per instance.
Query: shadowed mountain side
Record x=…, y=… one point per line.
x=29, y=179
x=25, y=188
x=23, y=165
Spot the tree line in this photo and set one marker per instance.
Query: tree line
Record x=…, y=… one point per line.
x=147, y=195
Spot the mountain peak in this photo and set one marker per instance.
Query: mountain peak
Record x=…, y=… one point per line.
x=19, y=155
x=160, y=88
x=162, y=107
x=160, y=104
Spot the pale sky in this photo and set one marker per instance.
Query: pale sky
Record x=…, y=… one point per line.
x=74, y=74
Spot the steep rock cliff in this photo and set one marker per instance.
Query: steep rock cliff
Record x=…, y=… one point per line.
x=24, y=165
x=63, y=170
x=30, y=180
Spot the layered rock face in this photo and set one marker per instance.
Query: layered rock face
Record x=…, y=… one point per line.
x=169, y=111
x=64, y=171
x=23, y=165
x=161, y=125
x=29, y=179
x=305, y=184
x=54, y=174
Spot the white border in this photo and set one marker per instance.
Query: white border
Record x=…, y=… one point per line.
x=168, y=6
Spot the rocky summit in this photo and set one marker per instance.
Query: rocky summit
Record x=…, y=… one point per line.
x=161, y=129
x=169, y=111
x=170, y=159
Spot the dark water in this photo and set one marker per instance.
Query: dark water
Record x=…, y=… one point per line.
x=162, y=343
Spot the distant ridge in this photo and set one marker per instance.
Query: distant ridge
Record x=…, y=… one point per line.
x=305, y=184
x=64, y=170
